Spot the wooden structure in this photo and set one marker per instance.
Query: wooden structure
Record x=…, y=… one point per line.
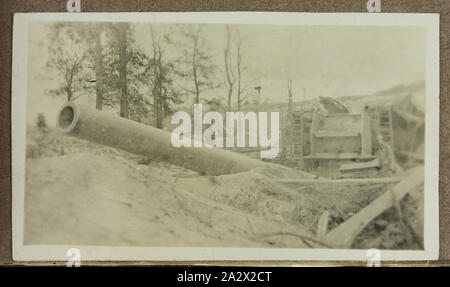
x=345, y=136
x=383, y=118
x=402, y=130
x=316, y=137
x=349, y=167
x=295, y=140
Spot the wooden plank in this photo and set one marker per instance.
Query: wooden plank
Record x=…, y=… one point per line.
x=339, y=156
x=343, y=181
x=340, y=115
x=322, y=224
x=335, y=134
x=343, y=235
x=360, y=165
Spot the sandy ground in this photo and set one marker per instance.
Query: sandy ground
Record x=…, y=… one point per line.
x=85, y=194
x=106, y=199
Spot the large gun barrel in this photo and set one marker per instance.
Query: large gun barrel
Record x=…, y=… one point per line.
x=113, y=131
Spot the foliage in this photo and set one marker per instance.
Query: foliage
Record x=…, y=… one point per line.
x=68, y=58
x=141, y=81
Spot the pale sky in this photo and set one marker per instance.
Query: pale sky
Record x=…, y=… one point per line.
x=320, y=60
x=328, y=61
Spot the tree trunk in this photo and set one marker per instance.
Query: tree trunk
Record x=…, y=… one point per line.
x=98, y=71
x=69, y=94
x=197, y=91
x=157, y=104
x=156, y=107
x=239, y=95
x=194, y=71
x=157, y=91
x=228, y=69
x=123, y=70
x=160, y=116
x=230, y=94
x=238, y=65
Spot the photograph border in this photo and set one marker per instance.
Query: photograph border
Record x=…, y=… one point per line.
x=23, y=252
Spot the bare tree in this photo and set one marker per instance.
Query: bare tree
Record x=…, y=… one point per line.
x=201, y=71
x=235, y=69
x=242, y=84
x=240, y=89
x=230, y=77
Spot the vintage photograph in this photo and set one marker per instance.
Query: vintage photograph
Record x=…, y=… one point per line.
x=255, y=136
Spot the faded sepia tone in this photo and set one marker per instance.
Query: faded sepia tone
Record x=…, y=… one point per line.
x=349, y=172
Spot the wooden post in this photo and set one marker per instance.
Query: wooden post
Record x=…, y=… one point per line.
x=313, y=129
x=302, y=129
x=366, y=133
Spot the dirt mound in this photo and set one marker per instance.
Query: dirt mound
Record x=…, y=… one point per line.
x=81, y=193
x=94, y=198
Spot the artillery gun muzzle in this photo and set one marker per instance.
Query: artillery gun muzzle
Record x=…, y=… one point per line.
x=107, y=129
